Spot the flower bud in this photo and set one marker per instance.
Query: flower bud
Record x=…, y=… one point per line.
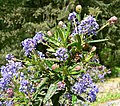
x=85, y=46
x=93, y=49
x=10, y=92
x=55, y=66
x=77, y=67
x=112, y=20
x=78, y=8
x=60, y=24
x=49, y=33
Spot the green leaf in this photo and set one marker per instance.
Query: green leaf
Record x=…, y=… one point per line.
x=74, y=99
x=79, y=39
x=97, y=41
x=51, y=91
x=68, y=30
x=72, y=44
x=61, y=34
x=50, y=50
x=52, y=59
x=74, y=72
x=39, y=87
x=88, y=58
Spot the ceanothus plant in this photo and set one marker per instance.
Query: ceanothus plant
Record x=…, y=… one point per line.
x=57, y=69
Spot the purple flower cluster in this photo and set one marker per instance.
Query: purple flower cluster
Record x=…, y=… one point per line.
x=68, y=96
x=7, y=103
x=72, y=16
x=25, y=86
x=86, y=85
x=99, y=72
x=41, y=55
x=10, y=57
x=87, y=26
x=61, y=54
x=7, y=73
x=38, y=37
x=30, y=44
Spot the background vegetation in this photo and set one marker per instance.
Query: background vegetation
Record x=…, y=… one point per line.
x=20, y=19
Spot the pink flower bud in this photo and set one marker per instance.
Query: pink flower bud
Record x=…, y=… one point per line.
x=77, y=67
x=10, y=92
x=55, y=66
x=93, y=49
x=113, y=20
x=49, y=33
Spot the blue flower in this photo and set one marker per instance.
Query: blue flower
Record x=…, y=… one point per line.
x=25, y=86
x=9, y=57
x=72, y=16
x=7, y=73
x=38, y=37
x=92, y=93
x=87, y=26
x=41, y=55
x=68, y=96
x=8, y=103
x=3, y=82
x=85, y=85
x=61, y=54
x=28, y=46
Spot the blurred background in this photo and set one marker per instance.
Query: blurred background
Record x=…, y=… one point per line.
x=20, y=19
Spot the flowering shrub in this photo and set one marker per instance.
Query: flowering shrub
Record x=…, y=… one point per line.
x=59, y=68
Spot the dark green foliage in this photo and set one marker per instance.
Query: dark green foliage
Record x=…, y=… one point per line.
x=22, y=19
x=111, y=49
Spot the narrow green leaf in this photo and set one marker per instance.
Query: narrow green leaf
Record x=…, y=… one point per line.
x=52, y=59
x=97, y=41
x=50, y=50
x=51, y=91
x=72, y=44
x=74, y=72
x=61, y=35
x=39, y=86
x=74, y=99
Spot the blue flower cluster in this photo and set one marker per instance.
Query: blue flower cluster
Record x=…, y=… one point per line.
x=10, y=57
x=87, y=26
x=30, y=44
x=41, y=55
x=38, y=37
x=7, y=103
x=68, y=96
x=99, y=72
x=86, y=85
x=61, y=54
x=72, y=16
x=7, y=73
x=25, y=86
